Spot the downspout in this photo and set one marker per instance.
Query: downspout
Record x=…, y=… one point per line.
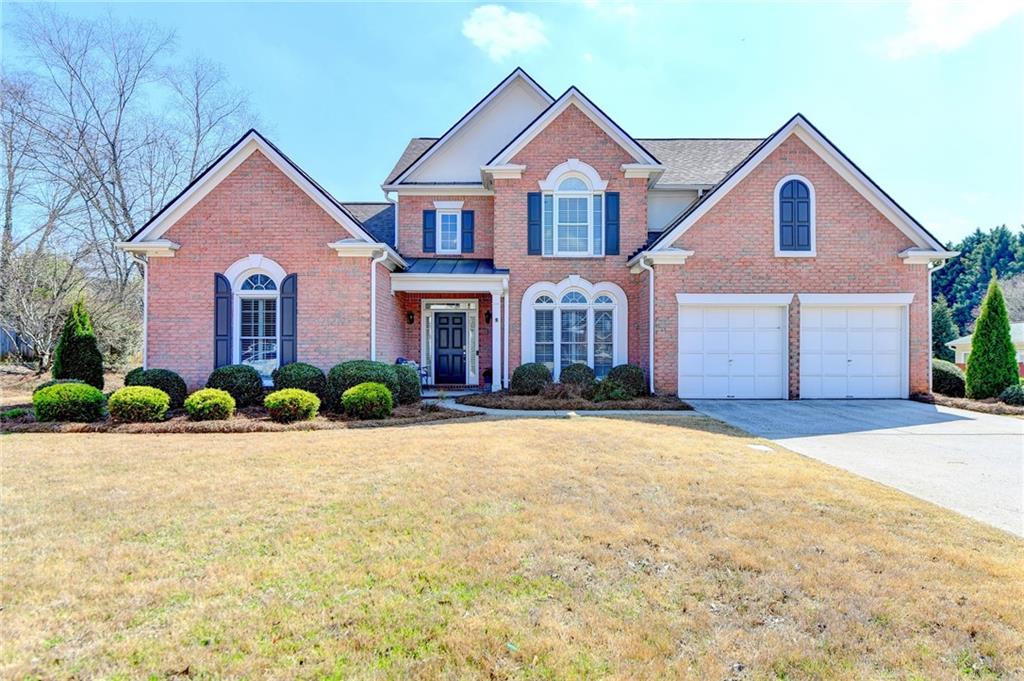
x=373, y=302
x=144, y=265
x=644, y=265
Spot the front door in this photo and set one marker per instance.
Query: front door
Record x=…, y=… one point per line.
x=450, y=347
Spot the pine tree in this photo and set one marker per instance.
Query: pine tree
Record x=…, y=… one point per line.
x=77, y=354
x=943, y=329
x=992, y=364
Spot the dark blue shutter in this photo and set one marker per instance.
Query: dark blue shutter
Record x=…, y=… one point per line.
x=429, y=231
x=611, y=223
x=221, y=321
x=289, y=319
x=467, y=231
x=533, y=227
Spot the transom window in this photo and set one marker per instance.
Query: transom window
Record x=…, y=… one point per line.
x=449, y=231
x=580, y=328
x=794, y=217
x=573, y=218
x=259, y=282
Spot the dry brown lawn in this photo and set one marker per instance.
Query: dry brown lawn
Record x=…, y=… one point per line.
x=649, y=547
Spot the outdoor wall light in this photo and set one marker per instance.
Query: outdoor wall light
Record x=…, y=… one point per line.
x=410, y=317
x=487, y=317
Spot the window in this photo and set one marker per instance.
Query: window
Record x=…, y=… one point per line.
x=794, y=217
x=258, y=334
x=573, y=218
x=259, y=282
x=449, y=232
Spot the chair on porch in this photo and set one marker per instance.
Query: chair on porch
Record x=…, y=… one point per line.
x=422, y=371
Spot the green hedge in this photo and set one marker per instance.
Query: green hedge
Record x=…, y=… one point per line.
x=578, y=374
x=611, y=389
x=292, y=404
x=139, y=404
x=368, y=401
x=60, y=381
x=408, y=384
x=632, y=378
x=241, y=381
x=529, y=379
x=1013, y=395
x=947, y=378
x=69, y=402
x=210, y=404
x=349, y=374
x=302, y=376
x=162, y=379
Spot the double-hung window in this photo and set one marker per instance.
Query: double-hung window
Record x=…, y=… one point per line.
x=449, y=231
x=573, y=219
x=258, y=324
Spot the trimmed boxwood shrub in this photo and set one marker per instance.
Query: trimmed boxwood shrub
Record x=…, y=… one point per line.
x=292, y=404
x=947, y=378
x=529, y=378
x=349, y=374
x=1013, y=395
x=77, y=354
x=578, y=374
x=368, y=401
x=631, y=378
x=61, y=381
x=241, y=381
x=408, y=384
x=138, y=404
x=69, y=402
x=302, y=376
x=210, y=404
x=162, y=379
x=130, y=376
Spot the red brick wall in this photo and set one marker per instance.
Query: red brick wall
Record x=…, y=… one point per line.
x=734, y=249
x=256, y=209
x=390, y=319
x=410, y=224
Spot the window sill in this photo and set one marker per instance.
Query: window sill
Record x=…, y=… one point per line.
x=574, y=257
x=796, y=254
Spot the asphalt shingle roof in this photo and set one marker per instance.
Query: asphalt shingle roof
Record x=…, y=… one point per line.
x=413, y=150
x=377, y=218
x=698, y=161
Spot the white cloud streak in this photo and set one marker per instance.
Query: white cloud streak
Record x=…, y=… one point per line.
x=501, y=33
x=944, y=25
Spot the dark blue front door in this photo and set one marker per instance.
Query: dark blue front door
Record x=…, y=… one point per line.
x=450, y=347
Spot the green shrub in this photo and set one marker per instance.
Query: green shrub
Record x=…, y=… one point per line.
x=69, y=402
x=947, y=378
x=77, y=354
x=241, y=381
x=631, y=378
x=162, y=379
x=529, y=379
x=408, y=384
x=302, y=376
x=348, y=374
x=1013, y=395
x=138, y=404
x=368, y=401
x=61, y=381
x=292, y=404
x=992, y=364
x=578, y=374
x=12, y=414
x=210, y=404
x=611, y=389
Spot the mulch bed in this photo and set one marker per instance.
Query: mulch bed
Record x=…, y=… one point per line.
x=989, y=406
x=505, y=400
x=251, y=420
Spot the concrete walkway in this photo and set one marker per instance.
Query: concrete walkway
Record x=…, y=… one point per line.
x=965, y=461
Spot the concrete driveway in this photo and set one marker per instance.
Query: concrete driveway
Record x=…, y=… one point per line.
x=965, y=461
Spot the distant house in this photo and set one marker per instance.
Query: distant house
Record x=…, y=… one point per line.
x=962, y=346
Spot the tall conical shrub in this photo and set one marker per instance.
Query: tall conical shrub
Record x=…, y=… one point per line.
x=992, y=364
x=77, y=354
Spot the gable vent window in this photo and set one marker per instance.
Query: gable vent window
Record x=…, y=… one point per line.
x=794, y=217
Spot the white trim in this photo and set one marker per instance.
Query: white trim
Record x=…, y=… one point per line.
x=640, y=170
x=157, y=248
x=925, y=256
x=508, y=317
x=426, y=282
x=250, y=265
x=868, y=299
x=472, y=306
x=508, y=171
x=353, y=248
x=497, y=324
x=236, y=274
x=518, y=74
x=574, y=97
x=448, y=205
x=779, y=253
x=573, y=165
x=800, y=127
x=455, y=210
x=734, y=299
x=669, y=256
x=438, y=190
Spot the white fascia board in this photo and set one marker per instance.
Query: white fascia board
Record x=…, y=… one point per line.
x=668, y=256
x=642, y=170
x=734, y=299
x=481, y=105
x=850, y=299
x=157, y=248
x=677, y=186
x=449, y=283
x=924, y=256
x=355, y=248
x=507, y=171
x=574, y=97
x=438, y=189
x=828, y=153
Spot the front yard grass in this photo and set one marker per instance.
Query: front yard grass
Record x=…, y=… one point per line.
x=641, y=547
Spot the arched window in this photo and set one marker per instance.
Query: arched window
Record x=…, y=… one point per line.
x=259, y=282
x=587, y=324
x=572, y=219
x=794, y=217
x=255, y=282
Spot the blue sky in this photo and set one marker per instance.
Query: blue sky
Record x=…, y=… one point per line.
x=926, y=97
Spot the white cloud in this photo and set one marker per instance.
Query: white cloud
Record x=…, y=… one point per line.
x=943, y=25
x=501, y=32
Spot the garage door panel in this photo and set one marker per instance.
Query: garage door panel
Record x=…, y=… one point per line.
x=741, y=341
x=767, y=363
x=741, y=318
x=716, y=364
x=860, y=318
x=888, y=317
x=691, y=364
x=691, y=341
x=834, y=341
x=860, y=340
x=768, y=387
x=742, y=365
x=833, y=318
x=834, y=365
x=810, y=340
x=887, y=341
x=716, y=318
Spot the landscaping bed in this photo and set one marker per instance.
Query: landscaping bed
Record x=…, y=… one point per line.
x=506, y=400
x=988, y=406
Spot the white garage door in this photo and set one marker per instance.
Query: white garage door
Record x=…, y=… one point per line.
x=732, y=352
x=855, y=351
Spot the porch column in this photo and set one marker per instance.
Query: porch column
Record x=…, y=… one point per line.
x=496, y=326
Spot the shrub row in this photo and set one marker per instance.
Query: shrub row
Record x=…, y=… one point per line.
x=623, y=382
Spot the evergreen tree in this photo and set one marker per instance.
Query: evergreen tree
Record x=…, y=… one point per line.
x=964, y=280
x=77, y=354
x=992, y=364
x=943, y=329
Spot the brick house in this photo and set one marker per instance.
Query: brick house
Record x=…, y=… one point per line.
x=537, y=229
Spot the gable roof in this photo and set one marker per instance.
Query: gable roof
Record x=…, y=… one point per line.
x=573, y=97
x=831, y=154
x=517, y=75
x=233, y=157
x=376, y=217
x=698, y=162
x=413, y=150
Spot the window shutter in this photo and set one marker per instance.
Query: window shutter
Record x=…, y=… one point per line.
x=611, y=223
x=429, y=231
x=533, y=227
x=467, y=231
x=289, y=319
x=221, y=321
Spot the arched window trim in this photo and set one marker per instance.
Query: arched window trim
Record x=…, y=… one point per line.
x=576, y=167
x=237, y=274
x=777, y=224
